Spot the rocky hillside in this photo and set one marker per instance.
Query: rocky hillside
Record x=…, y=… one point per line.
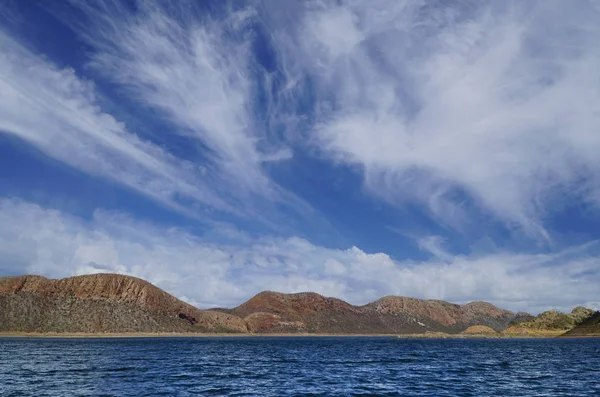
x=551, y=322
x=453, y=317
x=272, y=312
x=588, y=327
x=114, y=303
x=101, y=303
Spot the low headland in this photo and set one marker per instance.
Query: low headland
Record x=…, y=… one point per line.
x=112, y=305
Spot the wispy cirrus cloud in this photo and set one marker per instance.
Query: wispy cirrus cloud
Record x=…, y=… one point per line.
x=54, y=110
x=463, y=108
x=441, y=103
x=48, y=242
x=186, y=73
x=199, y=71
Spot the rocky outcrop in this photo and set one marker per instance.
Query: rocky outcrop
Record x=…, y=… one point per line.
x=102, y=303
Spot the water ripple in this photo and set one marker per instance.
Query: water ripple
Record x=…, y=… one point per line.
x=298, y=367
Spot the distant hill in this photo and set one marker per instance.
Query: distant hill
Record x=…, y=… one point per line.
x=588, y=327
x=272, y=312
x=480, y=330
x=111, y=303
x=551, y=322
x=108, y=303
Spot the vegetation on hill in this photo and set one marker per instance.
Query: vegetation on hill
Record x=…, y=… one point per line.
x=551, y=322
x=480, y=330
x=588, y=327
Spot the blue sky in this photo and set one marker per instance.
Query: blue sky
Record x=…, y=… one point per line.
x=442, y=150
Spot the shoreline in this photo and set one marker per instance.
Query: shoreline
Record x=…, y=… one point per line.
x=173, y=335
x=82, y=335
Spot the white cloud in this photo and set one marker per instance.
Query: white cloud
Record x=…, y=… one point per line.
x=495, y=100
x=48, y=242
x=435, y=246
x=54, y=110
x=198, y=71
x=445, y=105
x=202, y=90
x=336, y=31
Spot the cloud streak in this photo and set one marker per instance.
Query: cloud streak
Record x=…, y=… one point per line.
x=197, y=70
x=181, y=73
x=446, y=103
x=57, y=112
x=464, y=108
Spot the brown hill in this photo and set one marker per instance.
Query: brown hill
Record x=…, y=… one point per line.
x=479, y=330
x=272, y=312
x=551, y=322
x=588, y=327
x=101, y=303
x=111, y=303
x=454, y=317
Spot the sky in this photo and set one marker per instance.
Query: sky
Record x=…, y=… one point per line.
x=435, y=149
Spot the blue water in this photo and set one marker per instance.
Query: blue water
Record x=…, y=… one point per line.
x=299, y=367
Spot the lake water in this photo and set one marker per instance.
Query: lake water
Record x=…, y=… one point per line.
x=287, y=366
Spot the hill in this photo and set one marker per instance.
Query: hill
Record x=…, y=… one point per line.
x=111, y=303
x=272, y=312
x=106, y=303
x=481, y=330
x=551, y=322
x=588, y=327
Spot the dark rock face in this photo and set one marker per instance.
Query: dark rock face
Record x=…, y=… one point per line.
x=189, y=319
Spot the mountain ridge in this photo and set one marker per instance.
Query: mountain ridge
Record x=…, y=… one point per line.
x=270, y=311
x=113, y=303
